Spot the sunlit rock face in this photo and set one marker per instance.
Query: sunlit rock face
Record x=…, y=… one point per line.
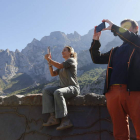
x=8, y=67
x=31, y=59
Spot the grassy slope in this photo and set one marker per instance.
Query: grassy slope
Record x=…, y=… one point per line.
x=21, y=83
x=89, y=76
x=34, y=90
x=18, y=82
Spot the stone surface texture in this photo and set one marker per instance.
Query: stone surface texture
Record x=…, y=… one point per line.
x=21, y=118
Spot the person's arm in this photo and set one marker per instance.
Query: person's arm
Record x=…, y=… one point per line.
x=96, y=56
x=52, y=72
x=124, y=34
x=52, y=62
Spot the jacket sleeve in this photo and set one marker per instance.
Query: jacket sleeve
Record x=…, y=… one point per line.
x=96, y=56
x=126, y=35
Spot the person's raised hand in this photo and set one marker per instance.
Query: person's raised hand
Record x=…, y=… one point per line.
x=109, y=22
x=47, y=57
x=96, y=35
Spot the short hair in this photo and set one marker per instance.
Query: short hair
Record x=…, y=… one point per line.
x=134, y=23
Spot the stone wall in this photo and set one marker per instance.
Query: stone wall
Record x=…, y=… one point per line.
x=21, y=119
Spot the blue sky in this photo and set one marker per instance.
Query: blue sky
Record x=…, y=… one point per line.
x=23, y=20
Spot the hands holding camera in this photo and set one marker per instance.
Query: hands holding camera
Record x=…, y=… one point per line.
x=109, y=22
x=47, y=57
x=97, y=35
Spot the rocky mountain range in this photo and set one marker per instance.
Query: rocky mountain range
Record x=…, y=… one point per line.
x=30, y=60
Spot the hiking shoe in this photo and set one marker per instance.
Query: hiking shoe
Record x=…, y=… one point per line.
x=52, y=121
x=65, y=123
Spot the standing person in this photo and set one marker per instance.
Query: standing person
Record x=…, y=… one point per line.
x=122, y=85
x=53, y=99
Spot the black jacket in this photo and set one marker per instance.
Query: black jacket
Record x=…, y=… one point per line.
x=133, y=81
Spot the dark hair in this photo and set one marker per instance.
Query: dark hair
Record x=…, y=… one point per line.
x=73, y=54
x=133, y=23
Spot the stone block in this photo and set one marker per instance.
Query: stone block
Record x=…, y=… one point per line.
x=12, y=124
x=21, y=118
x=1, y=99
x=94, y=99
x=32, y=99
x=13, y=100
x=78, y=100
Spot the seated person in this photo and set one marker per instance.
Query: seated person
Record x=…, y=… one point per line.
x=53, y=99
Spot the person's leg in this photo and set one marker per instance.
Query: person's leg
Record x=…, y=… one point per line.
x=59, y=98
x=60, y=105
x=134, y=110
x=48, y=105
x=116, y=108
x=48, y=100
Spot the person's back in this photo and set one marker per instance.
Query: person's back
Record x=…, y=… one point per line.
x=68, y=75
x=122, y=85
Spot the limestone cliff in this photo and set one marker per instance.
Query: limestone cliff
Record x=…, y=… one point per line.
x=31, y=59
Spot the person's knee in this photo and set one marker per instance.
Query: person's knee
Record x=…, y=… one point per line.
x=57, y=93
x=45, y=91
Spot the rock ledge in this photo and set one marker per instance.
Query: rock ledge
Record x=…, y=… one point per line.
x=36, y=99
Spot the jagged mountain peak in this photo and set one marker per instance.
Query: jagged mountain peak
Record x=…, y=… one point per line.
x=7, y=50
x=34, y=40
x=17, y=51
x=74, y=36
x=57, y=33
x=1, y=50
